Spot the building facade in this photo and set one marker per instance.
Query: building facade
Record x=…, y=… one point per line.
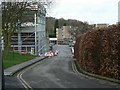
x=63, y=35
x=30, y=35
x=101, y=25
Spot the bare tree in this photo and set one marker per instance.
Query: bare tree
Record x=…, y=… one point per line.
x=12, y=12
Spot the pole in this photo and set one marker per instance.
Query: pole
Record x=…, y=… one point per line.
x=1, y=68
x=1, y=59
x=19, y=37
x=35, y=37
x=0, y=65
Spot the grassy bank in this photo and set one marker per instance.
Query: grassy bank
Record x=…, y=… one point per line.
x=14, y=58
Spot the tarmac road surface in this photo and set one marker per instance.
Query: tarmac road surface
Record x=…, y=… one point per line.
x=56, y=72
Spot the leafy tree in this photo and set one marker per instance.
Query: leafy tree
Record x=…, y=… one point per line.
x=11, y=13
x=64, y=24
x=78, y=27
x=55, y=27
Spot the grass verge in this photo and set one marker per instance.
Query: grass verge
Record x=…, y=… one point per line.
x=14, y=58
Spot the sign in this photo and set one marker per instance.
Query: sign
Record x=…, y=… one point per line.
x=32, y=51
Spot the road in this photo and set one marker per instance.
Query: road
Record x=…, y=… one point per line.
x=55, y=72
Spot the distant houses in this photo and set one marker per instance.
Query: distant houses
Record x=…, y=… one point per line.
x=100, y=25
x=63, y=35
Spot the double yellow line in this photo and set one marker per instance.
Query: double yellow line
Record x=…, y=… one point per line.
x=74, y=67
x=23, y=82
x=20, y=78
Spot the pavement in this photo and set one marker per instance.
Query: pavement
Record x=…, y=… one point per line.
x=14, y=69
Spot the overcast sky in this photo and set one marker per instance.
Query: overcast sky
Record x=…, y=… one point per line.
x=92, y=11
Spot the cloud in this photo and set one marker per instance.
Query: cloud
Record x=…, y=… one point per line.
x=88, y=10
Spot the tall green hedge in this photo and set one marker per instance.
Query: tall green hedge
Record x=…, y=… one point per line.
x=98, y=51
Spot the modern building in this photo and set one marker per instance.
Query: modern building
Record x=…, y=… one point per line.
x=30, y=35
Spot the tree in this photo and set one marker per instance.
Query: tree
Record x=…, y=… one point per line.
x=55, y=27
x=64, y=24
x=12, y=12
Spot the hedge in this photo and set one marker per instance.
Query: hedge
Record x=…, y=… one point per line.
x=98, y=51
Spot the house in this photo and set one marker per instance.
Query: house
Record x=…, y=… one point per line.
x=102, y=25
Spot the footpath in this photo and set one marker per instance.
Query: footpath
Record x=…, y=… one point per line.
x=14, y=69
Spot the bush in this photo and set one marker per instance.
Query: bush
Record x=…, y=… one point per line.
x=98, y=51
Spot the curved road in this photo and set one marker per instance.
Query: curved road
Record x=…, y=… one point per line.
x=58, y=72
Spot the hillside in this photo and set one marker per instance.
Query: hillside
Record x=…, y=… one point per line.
x=81, y=27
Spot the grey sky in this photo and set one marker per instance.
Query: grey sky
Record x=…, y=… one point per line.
x=93, y=11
